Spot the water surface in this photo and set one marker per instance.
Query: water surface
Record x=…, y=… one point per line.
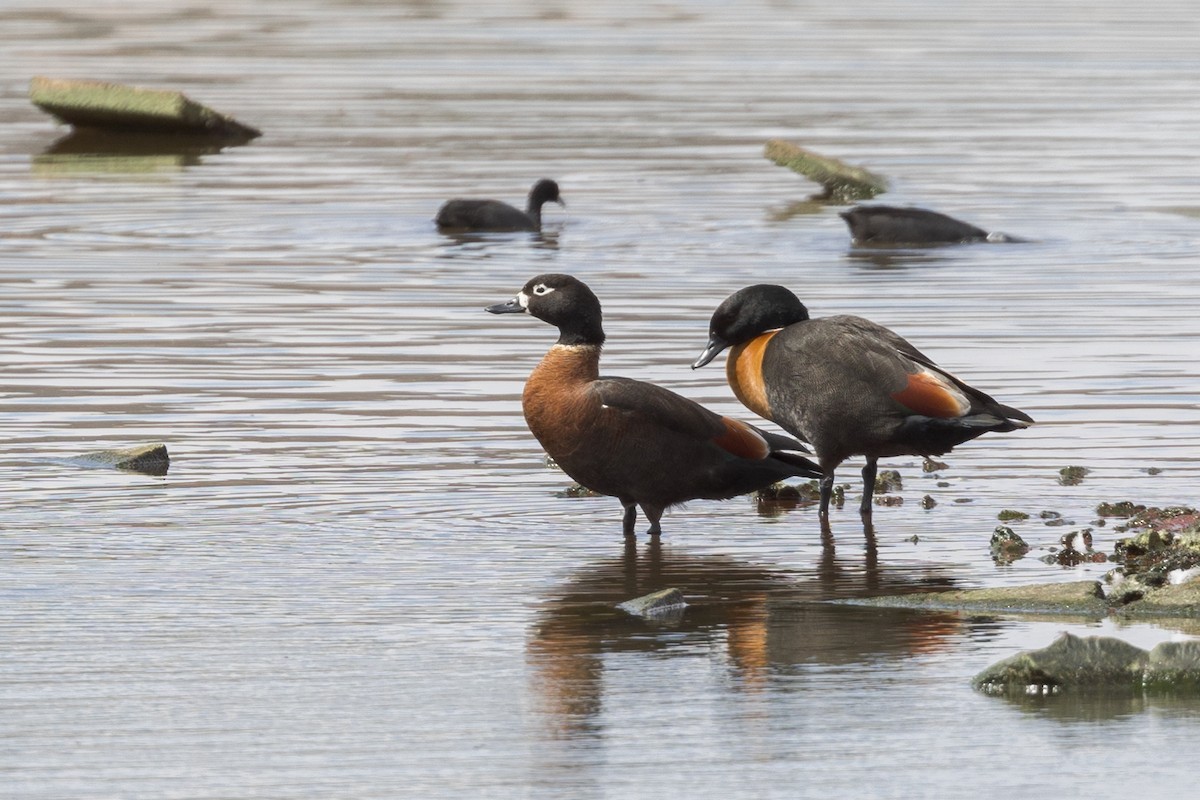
x=358, y=578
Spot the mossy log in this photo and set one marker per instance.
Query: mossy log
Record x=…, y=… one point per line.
x=112, y=106
x=150, y=459
x=843, y=183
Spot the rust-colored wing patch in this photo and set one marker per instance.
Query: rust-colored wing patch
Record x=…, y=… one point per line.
x=743, y=370
x=926, y=393
x=741, y=440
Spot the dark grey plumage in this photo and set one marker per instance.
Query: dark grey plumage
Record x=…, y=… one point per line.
x=468, y=215
x=895, y=225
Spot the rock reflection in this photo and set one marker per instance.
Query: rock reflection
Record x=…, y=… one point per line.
x=766, y=621
x=124, y=152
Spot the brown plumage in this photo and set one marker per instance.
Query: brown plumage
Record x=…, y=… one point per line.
x=845, y=385
x=641, y=443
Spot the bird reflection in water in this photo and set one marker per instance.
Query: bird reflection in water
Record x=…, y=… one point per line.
x=766, y=620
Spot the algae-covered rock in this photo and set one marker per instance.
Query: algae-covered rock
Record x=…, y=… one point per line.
x=1163, y=540
x=1075, y=664
x=1071, y=662
x=150, y=459
x=888, y=480
x=780, y=498
x=1009, y=515
x=1077, y=598
x=663, y=603
x=1164, y=600
x=1123, y=509
x=98, y=104
x=1072, y=476
x=1006, y=545
x=842, y=182
x=1173, y=667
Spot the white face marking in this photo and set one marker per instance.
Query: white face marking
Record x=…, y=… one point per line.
x=523, y=300
x=542, y=289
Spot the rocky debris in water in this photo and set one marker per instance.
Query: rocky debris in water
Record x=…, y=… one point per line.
x=1072, y=476
x=1006, y=545
x=1070, y=555
x=113, y=106
x=928, y=502
x=842, y=182
x=930, y=465
x=1154, y=470
x=780, y=498
x=889, y=500
x=1123, y=509
x=1053, y=519
x=1159, y=563
x=888, y=480
x=148, y=459
x=1008, y=515
x=1073, y=663
x=663, y=603
x=1163, y=539
x=576, y=490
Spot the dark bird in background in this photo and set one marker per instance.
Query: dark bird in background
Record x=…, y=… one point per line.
x=643, y=444
x=845, y=385
x=463, y=215
x=893, y=225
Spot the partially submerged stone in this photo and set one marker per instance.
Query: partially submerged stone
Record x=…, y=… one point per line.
x=665, y=602
x=1167, y=600
x=114, y=106
x=149, y=459
x=888, y=480
x=1070, y=662
x=1007, y=545
x=1073, y=663
x=1072, y=476
x=1076, y=598
x=842, y=182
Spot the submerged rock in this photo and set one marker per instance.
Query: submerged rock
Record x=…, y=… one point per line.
x=663, y=603
x=1072, y=663
x=1077, y=598
x=841, y=181
x=149, y=459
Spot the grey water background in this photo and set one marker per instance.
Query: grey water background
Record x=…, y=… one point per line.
x=358, y=580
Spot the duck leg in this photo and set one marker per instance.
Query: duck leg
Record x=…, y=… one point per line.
x=630, y=519
x=654, y=514
x=868, y=473
x=826, y=485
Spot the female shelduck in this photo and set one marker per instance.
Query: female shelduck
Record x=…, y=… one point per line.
x=641, y=443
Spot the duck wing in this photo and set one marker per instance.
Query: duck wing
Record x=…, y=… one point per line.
x=664, y=409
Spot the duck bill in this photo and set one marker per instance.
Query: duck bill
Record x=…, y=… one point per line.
x=715, y=346
x=511, y=307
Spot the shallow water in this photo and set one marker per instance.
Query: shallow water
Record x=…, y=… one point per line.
x=358, y=580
